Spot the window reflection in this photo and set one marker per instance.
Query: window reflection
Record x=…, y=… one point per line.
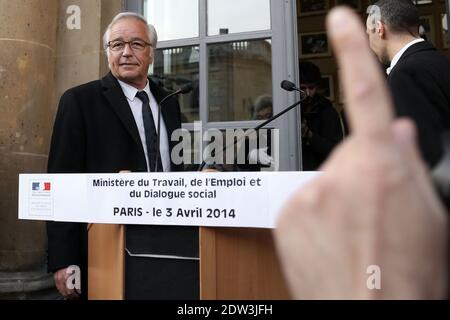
x=241, y=149
x=444, y=28
x=173, y=19
x=192, y=150
x=175, y=67
x=240, y=73
x=238, y=16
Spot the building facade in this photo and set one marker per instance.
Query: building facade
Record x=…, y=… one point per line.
x=233, y=53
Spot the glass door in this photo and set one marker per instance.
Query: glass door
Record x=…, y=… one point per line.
x=235, y=53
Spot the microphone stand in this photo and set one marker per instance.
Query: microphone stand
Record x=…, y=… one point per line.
x=184, y=89
x=256, y=129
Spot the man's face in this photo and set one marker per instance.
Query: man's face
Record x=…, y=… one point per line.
x=130, y=65
x=264, y=113
x=309, y=88
x=371, y=32
x=376, y=43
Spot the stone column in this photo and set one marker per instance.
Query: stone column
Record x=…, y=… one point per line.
x=42, y=56
x=27, y=48
x=80, y=56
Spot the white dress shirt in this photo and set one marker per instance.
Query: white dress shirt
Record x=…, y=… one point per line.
x=136, y=109
x=400, y=53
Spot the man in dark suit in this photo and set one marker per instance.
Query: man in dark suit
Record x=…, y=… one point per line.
x=108, y=126
x=418, y=76
x=322, y=128
x=372, y=227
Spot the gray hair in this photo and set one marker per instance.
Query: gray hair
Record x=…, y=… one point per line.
x=401, y=16
x=151, y=31
x=262, y=102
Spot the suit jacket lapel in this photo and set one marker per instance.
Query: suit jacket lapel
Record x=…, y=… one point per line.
x=118, y=102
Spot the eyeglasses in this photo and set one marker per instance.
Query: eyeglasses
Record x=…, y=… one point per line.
x=119, y=45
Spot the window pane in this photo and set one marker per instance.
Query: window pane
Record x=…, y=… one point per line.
x=175, y=67
x=238, y=16
x=240, y=80
x=192, y=149
x=173, y=19
x=241, y=149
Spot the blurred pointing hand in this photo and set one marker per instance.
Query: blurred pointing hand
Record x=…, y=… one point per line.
x=373, y=206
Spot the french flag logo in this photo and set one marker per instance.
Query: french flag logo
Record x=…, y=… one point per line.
x=41, y=186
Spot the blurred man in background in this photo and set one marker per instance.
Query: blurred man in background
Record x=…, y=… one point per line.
x=321, y=123
x=374, y=207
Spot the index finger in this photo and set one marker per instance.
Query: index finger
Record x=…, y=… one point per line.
x=369, y=104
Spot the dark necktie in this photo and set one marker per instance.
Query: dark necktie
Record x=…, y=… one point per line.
x=150, y=132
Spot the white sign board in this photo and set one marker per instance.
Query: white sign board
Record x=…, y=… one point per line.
x=237, y=199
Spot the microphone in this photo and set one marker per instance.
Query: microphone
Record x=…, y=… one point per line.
x=186, y=88
x=286, y=85
x=290, y=86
